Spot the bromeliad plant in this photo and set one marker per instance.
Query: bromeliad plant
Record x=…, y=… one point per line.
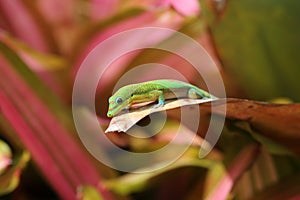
x=42, y=44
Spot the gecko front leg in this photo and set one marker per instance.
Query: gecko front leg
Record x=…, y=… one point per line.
x=160, y=96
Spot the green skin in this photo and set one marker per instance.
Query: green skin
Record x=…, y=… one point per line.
x=151, y=91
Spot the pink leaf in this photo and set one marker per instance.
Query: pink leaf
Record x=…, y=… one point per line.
x=57, y=11
x=235, y=170
x=57, y=154
x=149, y=19
x=103, y=8
x=184, y=7
x=22, y=24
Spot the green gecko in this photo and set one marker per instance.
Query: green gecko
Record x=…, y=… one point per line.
x=151, y=91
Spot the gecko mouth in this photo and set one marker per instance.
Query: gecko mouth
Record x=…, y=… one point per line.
x=110, y=108
x=109, y=114
x=113, y=111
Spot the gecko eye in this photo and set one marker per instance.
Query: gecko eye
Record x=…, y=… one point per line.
x=119, y=100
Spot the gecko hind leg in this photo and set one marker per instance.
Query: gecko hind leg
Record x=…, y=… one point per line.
x=195, y=94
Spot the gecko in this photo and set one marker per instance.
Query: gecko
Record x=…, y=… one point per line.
x=155, y=90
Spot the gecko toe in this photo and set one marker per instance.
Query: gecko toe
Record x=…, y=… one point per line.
x=158, y=105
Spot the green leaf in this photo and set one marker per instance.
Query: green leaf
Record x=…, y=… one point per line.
x=15, y=156
x=134, y=182
x=258, y=41
x=10, y=178
x=270, y=145
x=5, y=156
x=86, y=192
x=54, y=104
x=44, y=125
x=47, y=62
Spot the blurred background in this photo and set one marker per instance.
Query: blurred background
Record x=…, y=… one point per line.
x=254, y=45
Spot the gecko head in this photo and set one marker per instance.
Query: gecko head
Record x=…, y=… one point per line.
x=117, y=102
